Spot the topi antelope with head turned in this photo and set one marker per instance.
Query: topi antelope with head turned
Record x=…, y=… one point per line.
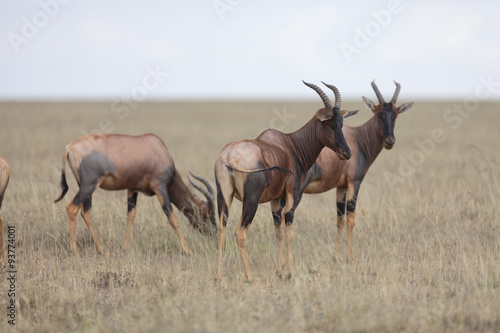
x=4, y=181
x=136, y=164
x=366, y=142
x=273, y=167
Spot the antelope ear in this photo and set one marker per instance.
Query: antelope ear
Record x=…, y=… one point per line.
x=348, y=113
x=405, y=107
x=323, y=115
x=369, y=104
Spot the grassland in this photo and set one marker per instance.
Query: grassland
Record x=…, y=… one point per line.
x=427, y=235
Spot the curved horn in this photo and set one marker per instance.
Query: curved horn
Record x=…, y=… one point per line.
x=208, y=192
x=335, y=92
x=199, y=188
x=194, y=194
x=396, y=93
x=326, y=100
x=377, y=92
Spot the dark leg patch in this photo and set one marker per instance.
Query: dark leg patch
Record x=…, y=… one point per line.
x=221, y=204
x=167, y=205
x=131, y=202
x=84, y=198
x=289, y=217
x=87, y=203
x=341, y=207
x=277, y=215
x=252, y=191
x=351, y=206
x=92, y=168
x=96, y=163
x=166, y=180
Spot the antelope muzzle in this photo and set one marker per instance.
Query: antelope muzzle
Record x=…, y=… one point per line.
x=389, y=142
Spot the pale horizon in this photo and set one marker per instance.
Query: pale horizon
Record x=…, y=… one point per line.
x=241, y=50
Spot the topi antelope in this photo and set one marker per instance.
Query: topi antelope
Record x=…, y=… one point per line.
x=4, y=181
x=136, y=164
x=273, y=167
x=366, y=142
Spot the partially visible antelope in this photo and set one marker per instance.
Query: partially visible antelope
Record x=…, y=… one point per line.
x=366, y=142
x=136, y=164
x=4, y=181
x=273, y=167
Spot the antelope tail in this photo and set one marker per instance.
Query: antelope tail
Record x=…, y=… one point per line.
x=259, y=170
x=64, y=184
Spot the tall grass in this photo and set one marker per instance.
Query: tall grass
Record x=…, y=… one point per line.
x=427, y=247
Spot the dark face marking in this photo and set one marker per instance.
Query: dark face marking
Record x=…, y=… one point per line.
x=209, y=216
x=336, y=123
x=387, y=120
x=203, y=217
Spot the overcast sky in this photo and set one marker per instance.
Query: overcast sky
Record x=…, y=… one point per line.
x=246, y=49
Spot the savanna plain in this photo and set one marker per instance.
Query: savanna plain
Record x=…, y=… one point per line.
x=426, y=240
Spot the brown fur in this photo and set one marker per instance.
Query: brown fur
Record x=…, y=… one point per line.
x=136, y=164
x=282, y=161
x=366, y=143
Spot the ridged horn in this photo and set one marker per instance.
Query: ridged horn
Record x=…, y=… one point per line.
x=208, y=192
x=335, y=92
x=324, y=98
x=377, y=92
x=396, y=93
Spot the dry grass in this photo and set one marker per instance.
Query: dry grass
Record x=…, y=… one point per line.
x=427, y=248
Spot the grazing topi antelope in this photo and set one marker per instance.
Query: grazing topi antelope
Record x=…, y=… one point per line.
x=4, y=181
x=136, y=164
x=273, y=167
x=366, y=142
